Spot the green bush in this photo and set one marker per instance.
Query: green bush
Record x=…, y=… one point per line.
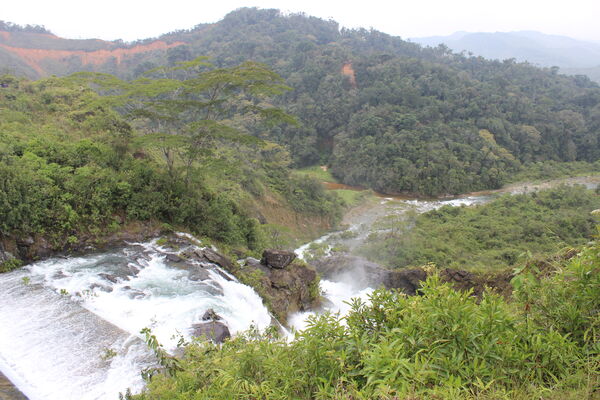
x=491, y=236
x=443, y=344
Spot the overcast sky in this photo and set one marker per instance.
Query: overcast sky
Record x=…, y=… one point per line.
x=134, y=19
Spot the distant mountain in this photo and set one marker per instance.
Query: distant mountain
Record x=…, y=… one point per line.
x=571, y=55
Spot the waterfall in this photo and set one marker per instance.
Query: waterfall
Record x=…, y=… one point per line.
x=69, y=327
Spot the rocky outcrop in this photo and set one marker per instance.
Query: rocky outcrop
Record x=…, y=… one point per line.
x=286, y=290
x=286, y=285
x=216, y=331
x=462, y=280
x=217, y=258
x=29, y=248
x=211, y=327
x=407, y=280
x=277, y=258
x=363, y=273
x=210, y=315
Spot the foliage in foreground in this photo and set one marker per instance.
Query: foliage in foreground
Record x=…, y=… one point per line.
x=444, y=343
x=488, y=236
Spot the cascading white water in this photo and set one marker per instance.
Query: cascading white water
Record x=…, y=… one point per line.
x=339, y=293
x=59, y=317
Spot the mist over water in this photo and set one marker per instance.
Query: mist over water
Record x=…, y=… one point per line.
x=353, y=280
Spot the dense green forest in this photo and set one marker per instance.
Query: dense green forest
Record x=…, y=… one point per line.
x=203, y=134
x=443, y=344
x=390, y=115
x=75, y=164
x=383, y=112
x=492, y=236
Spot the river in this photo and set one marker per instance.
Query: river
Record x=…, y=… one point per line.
x=367, y=218
x=70, y=327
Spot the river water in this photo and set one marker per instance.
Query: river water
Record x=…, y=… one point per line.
x=366, y=219
x=70, y=327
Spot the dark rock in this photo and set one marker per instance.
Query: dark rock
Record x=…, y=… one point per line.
x=456, y=275
x=108, y=277
x=134, y=293
x=107, y=289
x=174, y=258
x=223, y=275
x=59, y=275
x=407, y=280
x=499, y=282
x=211, y=315
x=213, y=330
x=219, y=259
x=277, y=258
x=5, y=255
x=8, y=391
x=286, y=290
x=262, y=219
x=133, y=270
x=41, y=248
x=198, y=274
x=281, y=279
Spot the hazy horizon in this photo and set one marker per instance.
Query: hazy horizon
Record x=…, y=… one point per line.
x=135, y=20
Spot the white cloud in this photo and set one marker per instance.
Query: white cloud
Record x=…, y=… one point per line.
x=133, y=19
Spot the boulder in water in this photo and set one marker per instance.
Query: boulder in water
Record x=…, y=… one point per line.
x=101, y=287
x=108, y=277
x=134, y=293
x=211, y=315
x=198, y=274
x=223, y=275
x=213, y=330
x=278, y=259
x=174, y=258
x=216, y=258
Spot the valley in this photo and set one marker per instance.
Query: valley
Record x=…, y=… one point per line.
x=272, y=206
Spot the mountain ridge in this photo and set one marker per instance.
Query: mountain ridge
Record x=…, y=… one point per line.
x=525, y=46
x=383, y=112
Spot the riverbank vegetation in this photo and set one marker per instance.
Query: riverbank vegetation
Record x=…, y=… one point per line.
x=540, y=171
x=442, y=344
x=77, y=164
x=490, y=236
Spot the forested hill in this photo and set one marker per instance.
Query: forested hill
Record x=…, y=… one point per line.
x=387, y=113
